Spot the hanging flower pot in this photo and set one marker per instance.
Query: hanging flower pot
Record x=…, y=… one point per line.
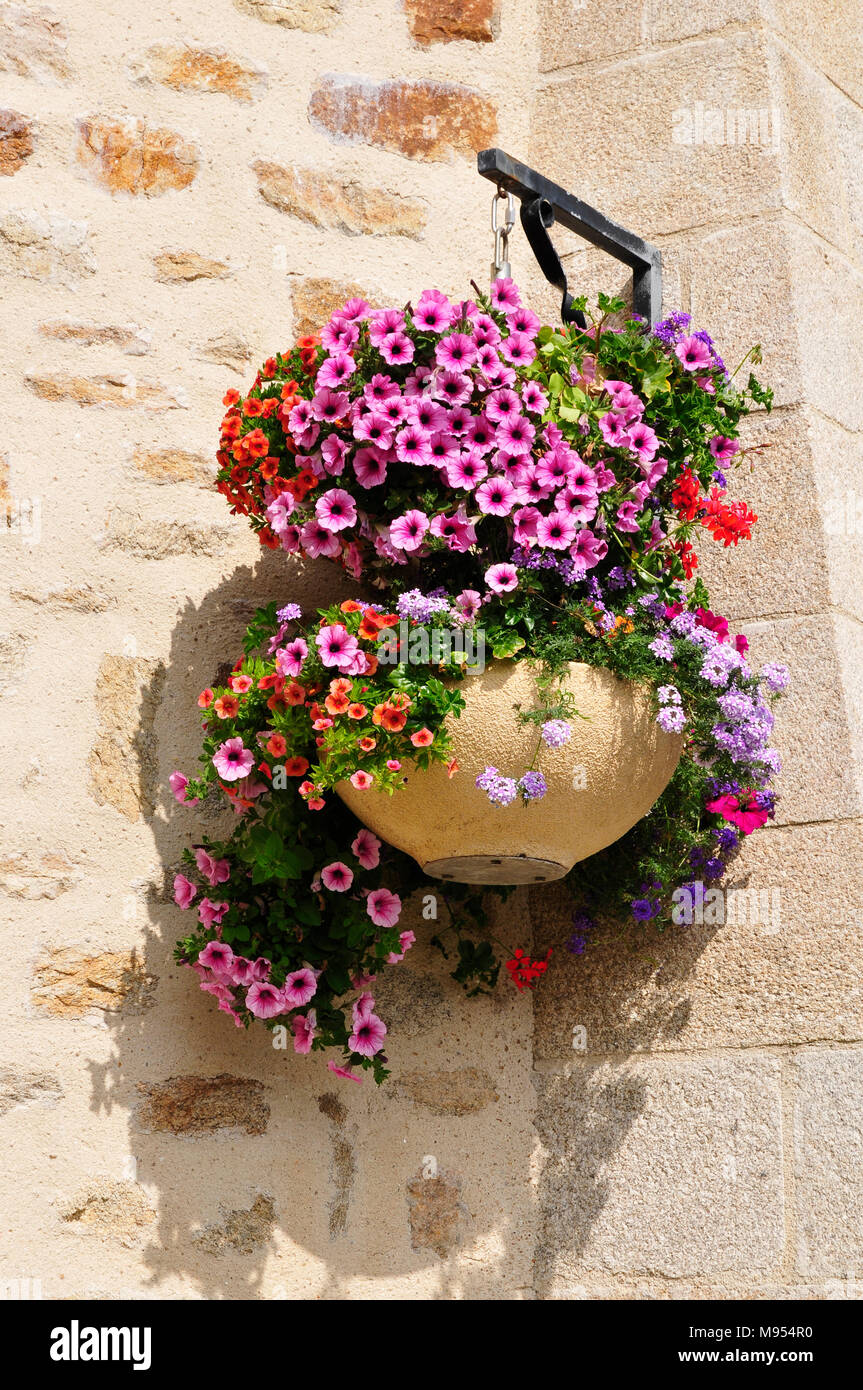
x=490, y=485
x=609, y=766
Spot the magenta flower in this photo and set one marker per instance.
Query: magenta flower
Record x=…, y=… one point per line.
x=242, y=971
x=383, y=323
x=336, y=646
x=457, y=352
x=407, y=532
x=304, y=1026
x=412, y=445
x=480, y=434
x=643, y=442
x=515, y=435
x=613, y=429
x=367, y=848
x=452, y=387
x=345, y=1072
x=300, y=986
x=533, y=398
x=502, y=579
x=336, y=510
x=588, y=549
x=496, y=497
x=557, y=531
x=368, y=1035
x=396, y=349
x=265, y=1001
x=184, y=891
x=317, y=540
x=519, y=349
x=692, y=353
x=502, y=405
x=384, y=907
x=217, y=956
x=723, y=448
x=407, y=939
x=280, y=511
x=328, y=405
x=337, y=877
x=466, y=471
x=431, y=316
x=504, y=294
x=213, y=870
x=526, y=520
x=178, y=783
x=336, y=370
x=210, y=913
x=428, y=415
x=523, y=320
x=289, y=659
x=232, y=760
x=374, y=428
x=627, y=513
x=370, y=466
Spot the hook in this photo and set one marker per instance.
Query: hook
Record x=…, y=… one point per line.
x=536, y=217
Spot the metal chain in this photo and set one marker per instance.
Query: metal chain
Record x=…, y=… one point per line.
x=500, y=267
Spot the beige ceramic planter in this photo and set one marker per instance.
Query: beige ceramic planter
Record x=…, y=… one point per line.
x=600, y=783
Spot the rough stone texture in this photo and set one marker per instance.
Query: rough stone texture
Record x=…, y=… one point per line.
x=189, y=69
x=71, y=983
x=461, y=1092
x=128, y=156
x=51, y=247
x=31, y=876
x=342, y=205
x=828, y=1145
x=33, y=42
x=204, y=1105
x=123, y=770
x=423, y=120
x=660, y=1167
x=120, y=389
x=174, y=466
x=79, y=599
x=110, y=1210
x=17, y=142
x=314, y=301
x=184, y=267
x=312, y=16
x=436, y=1214
x=19, y=1088
x=243, y=1231
x=226, y=350
x=162, y=538
x=128, y=337
x=442, y=21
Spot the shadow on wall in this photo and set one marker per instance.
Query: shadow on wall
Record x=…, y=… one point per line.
x=275, y=1179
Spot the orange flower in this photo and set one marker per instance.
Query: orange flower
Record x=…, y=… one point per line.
x=371, y=664
x=296, y=767
x=368, y=743
x=294, y=693
x=367, y=629
x=257, y=444
x=277, y=746
x=289, y=389
x=340, y=685
x=422, y=738
x=393, y=720
x=270, y=367
x=357, y=711
x=337, y=704
x=227, y=707
x=231, y=397
x=268, y=467
x=452, y=767
x=277, y=703
x=241, y=684
x=253, y=407
x=269, y=538
x=205, y=699
x=349, y=606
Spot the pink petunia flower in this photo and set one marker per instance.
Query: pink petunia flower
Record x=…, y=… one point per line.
x=556, y=532
x=213, y=870
x=337, y=877
x=502, y=578
x=184, y=891
x=232, y=760
x=496, y=497
x=407, y=939
x=336, y=510
x=336, y=371
x=368, y=1035
x=504, y=294
x=384, y=907
x=300, y=986
x=396, y=349
x=336, y=646
x=218, y=956
x=265, y=1001
x=367, y=848
x=407, y=532
x=370, y=466
x=329, y=406
x=692, y=353
x=178, y=783
x=305, y=1029
x=289, y=659
x=317, y=540
x=361, y=780
x=210, y=913
x=345, y=1072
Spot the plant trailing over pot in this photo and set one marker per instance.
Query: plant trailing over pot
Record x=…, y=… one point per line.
x=528, y=655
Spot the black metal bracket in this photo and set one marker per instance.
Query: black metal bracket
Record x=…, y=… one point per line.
x=543, y=203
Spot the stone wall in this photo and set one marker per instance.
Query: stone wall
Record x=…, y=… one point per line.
x=182, y=189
